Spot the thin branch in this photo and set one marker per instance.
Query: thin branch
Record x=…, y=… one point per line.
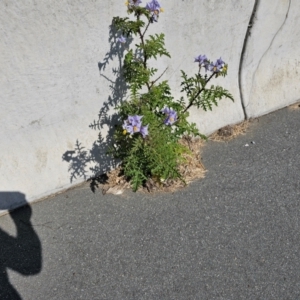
x=143, y=44
x=146, y=27
x=153, y=82
x=198, y=93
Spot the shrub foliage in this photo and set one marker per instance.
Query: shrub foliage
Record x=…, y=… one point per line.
x=151, y=122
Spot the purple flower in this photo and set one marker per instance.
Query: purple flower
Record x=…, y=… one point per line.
x=134, y=125
x=166, y=110
x=144, y=131
x=215, y=67
x=135, y=120
x=127, y=127
x=133, y=2
x=155, y=8
x=201, y=59
x=171, y=118
x=121, y=39
x=220, y=62
x=132, y=128
x=171, y=115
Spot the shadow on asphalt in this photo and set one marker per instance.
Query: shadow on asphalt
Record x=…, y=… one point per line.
x=22, y=253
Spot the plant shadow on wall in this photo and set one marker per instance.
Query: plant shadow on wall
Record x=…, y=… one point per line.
x=83, y=161
x=147, y=131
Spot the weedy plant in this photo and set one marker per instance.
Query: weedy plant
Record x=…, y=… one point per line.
x=152, y=122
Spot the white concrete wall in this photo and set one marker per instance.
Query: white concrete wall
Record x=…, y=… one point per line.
x=215, y=28
x=52, y=89
x=271, y=67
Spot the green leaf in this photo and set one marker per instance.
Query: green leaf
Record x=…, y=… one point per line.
x=154, y=46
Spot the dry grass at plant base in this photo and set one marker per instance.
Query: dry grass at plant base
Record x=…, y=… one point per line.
x=295, y=106
x=229, y=132
x=191, y=169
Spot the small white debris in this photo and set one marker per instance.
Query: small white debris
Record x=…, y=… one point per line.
x=115, y=190
x=252, y=142
x=247, y=145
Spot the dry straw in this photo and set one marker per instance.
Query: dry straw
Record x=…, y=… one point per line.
x=229, y=132
x=295, y=106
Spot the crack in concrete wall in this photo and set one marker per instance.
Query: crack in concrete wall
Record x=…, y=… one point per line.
x=248, y=93
x=243, y=54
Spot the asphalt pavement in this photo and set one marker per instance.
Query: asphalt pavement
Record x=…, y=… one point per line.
x=233, y=235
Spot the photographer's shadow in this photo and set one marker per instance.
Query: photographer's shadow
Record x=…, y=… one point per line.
x=22, y=253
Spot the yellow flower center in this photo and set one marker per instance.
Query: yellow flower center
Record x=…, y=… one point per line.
x=124, y=131
x=135, y=129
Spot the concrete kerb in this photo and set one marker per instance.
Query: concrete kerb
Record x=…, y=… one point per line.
x=15, y=206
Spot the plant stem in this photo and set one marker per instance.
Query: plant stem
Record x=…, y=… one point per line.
x=198, y=93
x=153, y=82
x=146, y=28
x=143, y=44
